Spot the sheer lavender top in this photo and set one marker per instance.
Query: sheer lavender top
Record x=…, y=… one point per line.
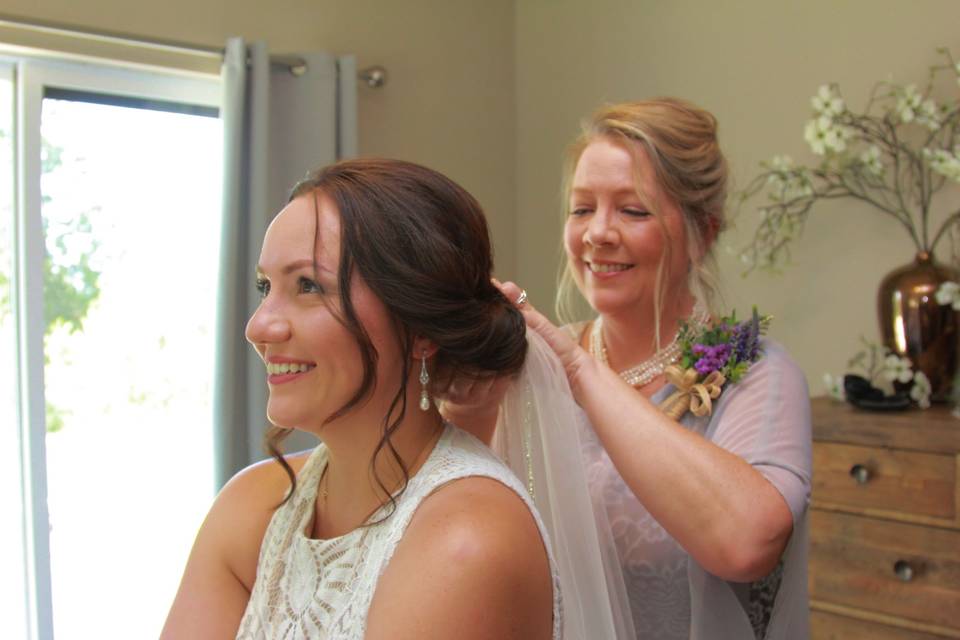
x=764, y=419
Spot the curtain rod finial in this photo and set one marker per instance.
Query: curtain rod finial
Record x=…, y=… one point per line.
x=375, y=77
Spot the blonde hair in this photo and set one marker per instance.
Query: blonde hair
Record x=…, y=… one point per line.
x=680, y=140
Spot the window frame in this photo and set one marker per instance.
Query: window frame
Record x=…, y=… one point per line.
x=31, y=77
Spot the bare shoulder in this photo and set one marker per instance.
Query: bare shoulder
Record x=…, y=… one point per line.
x=222, y=565
x=481, y=565
x=243, y=508
x=476, y=515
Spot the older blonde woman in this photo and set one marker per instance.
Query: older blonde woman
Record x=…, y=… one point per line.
x=707, y=514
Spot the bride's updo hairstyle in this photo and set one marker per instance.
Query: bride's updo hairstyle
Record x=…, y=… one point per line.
x=681, y=141
x=420, y=243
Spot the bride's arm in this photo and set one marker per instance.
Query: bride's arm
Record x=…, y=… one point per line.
x=471, y=565
x=722, y=510
x=222, y=567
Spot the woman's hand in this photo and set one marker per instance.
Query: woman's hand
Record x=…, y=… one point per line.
x=473, y=405
x=576, y=361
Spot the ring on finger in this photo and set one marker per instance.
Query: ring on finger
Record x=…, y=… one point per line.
x=522, y=298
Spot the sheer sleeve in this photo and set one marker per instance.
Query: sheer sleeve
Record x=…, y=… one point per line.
x=765, y=419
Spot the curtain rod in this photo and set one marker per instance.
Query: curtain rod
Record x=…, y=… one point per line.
x=373, y=76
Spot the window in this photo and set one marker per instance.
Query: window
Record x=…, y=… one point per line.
x=118, y=221
x=12, y=540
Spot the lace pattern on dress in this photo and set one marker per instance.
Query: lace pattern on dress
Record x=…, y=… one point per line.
x=763, y=594
x=315, y=589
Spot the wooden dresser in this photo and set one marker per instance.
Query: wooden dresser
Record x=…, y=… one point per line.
x=884, y=524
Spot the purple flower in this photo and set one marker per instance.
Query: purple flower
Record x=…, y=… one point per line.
x=705, y=366
x=746, y=340
x=712, y=357
x=721, y=351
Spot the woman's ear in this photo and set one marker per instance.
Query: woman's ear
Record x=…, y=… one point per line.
x=423, y=348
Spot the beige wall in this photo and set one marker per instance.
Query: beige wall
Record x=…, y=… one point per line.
x=490, y=91
x=755, y=64
x=449, y=103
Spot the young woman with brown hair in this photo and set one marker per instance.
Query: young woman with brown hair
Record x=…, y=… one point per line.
x=375, y=283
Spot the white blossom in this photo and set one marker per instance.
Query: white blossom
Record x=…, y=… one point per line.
x=908, y=103
x=897, y=369
x=928, y=115
x=781, y=163
x=871, y=160
x=920, y=391
x=787, y=182
x=814, y=134
x=834, y=386
x=944, y=162
x=827, y=102
x=949, y=293
x=836, y=138
x=823, y=135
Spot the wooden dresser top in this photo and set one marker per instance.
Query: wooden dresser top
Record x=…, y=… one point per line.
x=934, y=430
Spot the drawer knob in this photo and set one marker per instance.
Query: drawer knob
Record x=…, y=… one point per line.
x=860, y=473
x=903, y=570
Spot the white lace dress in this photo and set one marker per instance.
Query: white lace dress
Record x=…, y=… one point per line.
x=765, y=419
x=316, y=589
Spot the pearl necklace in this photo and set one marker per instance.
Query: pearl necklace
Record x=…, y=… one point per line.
x=643, y=374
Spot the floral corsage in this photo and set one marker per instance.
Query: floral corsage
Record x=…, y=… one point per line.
x=712, y=356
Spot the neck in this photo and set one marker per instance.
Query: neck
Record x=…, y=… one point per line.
x=350, y=483
x=630, y=335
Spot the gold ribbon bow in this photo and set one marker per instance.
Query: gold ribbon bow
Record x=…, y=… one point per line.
x=693, y=396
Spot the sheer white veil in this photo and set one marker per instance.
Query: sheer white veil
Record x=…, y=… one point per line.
x=539, y=436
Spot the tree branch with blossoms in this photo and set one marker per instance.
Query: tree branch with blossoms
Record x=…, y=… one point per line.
x=895, y=156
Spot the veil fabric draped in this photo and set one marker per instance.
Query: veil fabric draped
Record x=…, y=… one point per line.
x=538, y=436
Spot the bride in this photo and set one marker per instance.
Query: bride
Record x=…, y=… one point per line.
x=375, y=293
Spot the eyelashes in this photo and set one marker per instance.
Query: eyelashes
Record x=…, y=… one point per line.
x=263, y=287
x=629, y=211
x=304, y=285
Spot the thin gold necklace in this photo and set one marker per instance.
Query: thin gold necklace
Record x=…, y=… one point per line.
x=644, y=373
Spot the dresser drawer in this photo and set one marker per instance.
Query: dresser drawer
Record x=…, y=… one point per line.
x=872, y=477
x=853, y=560
x=825, y=625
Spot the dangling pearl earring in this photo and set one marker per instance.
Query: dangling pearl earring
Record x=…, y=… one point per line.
x=424, y=379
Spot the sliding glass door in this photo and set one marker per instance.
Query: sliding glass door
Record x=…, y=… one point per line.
x=118, y=220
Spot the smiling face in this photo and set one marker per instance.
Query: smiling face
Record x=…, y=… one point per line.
x=614, y=244
x=313, y=362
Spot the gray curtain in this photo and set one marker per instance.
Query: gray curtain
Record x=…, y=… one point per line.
x=276, y=127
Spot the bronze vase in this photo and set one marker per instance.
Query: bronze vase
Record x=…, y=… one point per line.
x=913, y=325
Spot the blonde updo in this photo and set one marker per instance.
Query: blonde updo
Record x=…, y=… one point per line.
x=680, y=140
